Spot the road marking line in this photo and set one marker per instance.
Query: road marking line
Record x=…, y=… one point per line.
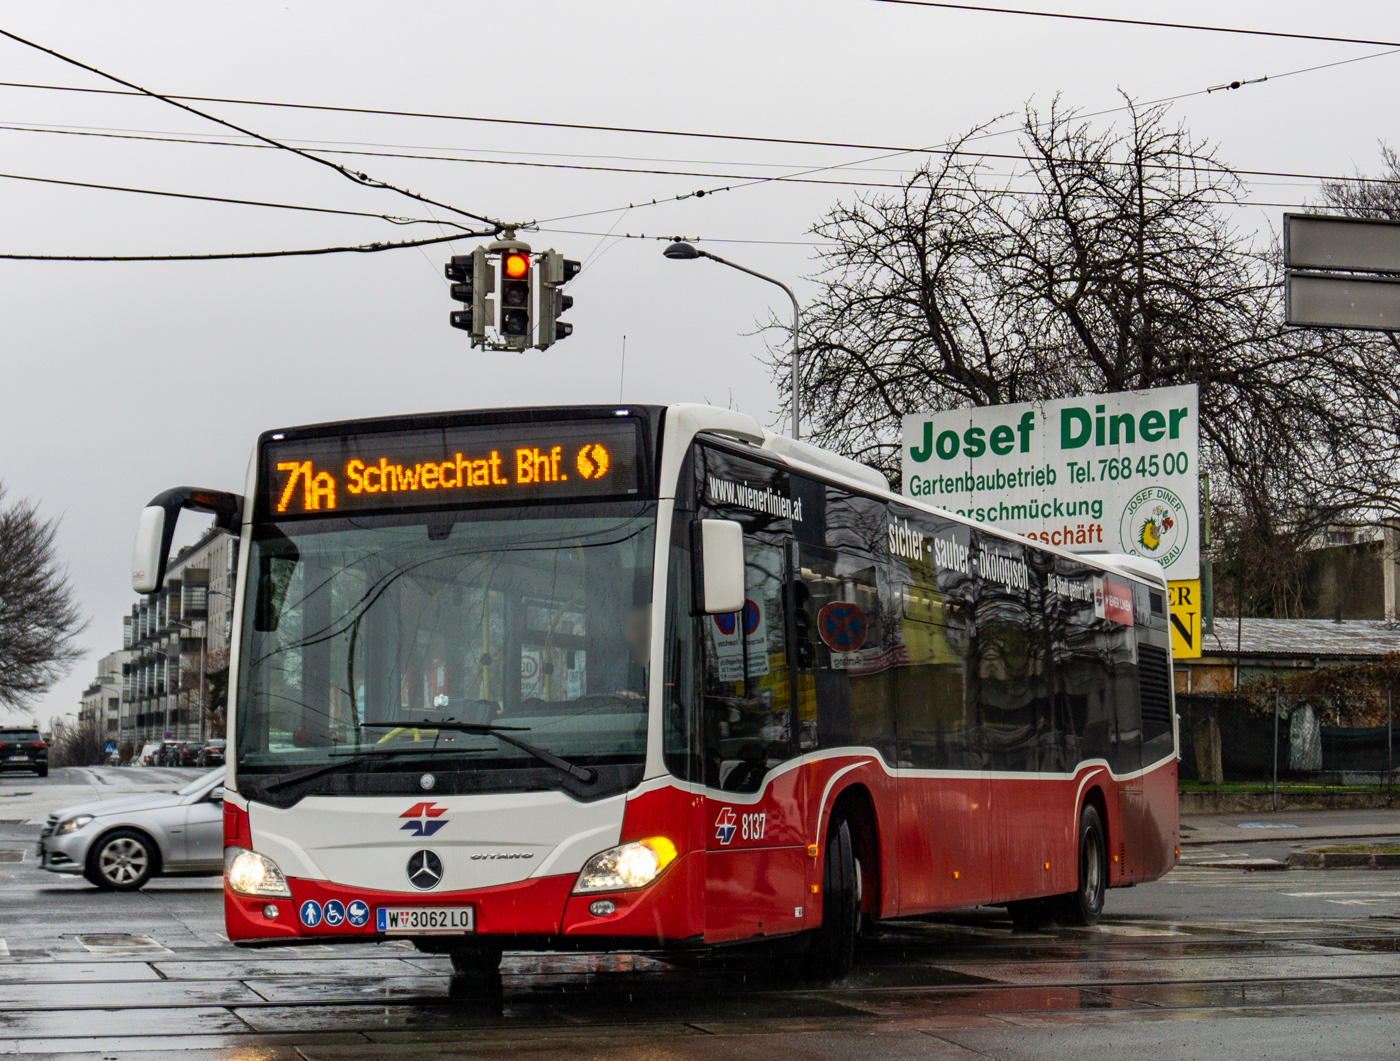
x=4, y=949
x=121, y=943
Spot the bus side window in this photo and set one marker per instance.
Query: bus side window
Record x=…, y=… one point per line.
x=678, y=743
x=845, y=691
x=1007, y=666
x=747, y=710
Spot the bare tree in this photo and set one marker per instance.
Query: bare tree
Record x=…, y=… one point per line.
x=1376, y=198
x=39, y=618
x=77, y=744
x=211, y=699
x=1109, y=261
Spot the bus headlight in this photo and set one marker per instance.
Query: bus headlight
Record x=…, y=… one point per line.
x=627, y=866
x=249, y=873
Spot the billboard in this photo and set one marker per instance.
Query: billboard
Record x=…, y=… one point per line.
x=1103, y=473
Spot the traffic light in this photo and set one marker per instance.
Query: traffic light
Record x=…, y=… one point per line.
x=515, y=298
x=472, y=281
x=555, y=271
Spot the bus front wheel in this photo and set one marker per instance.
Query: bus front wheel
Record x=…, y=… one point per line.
x=1084, y=905
x=832, y=947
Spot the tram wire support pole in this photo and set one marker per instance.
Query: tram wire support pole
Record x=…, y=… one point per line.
x=680, y=250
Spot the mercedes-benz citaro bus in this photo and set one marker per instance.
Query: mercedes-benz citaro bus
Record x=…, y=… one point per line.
x=654, y=677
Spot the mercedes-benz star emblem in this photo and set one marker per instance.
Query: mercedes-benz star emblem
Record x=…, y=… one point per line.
x=427, y=781
x=424, y=870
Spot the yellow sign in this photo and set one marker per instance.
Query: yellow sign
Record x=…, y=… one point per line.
x=1185, y=618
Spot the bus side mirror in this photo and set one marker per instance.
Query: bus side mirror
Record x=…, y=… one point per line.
x=156, y=529
x=719, y=552
x=153, y=533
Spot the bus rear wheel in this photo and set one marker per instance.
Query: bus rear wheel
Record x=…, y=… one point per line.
x=1084, y=905
x=832, y=947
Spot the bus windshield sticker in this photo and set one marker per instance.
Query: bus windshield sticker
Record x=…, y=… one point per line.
x=360, y=471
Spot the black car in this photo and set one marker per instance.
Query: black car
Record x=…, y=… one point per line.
x=189, y=753
x=212, y=754
x=21, y=748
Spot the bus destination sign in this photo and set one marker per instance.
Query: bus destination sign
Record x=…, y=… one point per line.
x=379, y=471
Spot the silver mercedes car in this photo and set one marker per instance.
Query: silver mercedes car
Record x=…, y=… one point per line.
x=120, y=844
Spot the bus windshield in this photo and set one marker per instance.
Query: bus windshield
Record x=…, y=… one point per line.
x=360, y=633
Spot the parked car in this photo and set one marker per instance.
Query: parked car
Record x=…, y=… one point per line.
x=149, y=754
x=189, y=753
x=120, y=844
x=21, y=748
x=212, y=754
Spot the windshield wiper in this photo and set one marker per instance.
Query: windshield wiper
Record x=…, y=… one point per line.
x=583, y=773
x=349, y=759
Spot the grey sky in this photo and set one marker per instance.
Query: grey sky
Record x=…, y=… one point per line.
x=120, y=380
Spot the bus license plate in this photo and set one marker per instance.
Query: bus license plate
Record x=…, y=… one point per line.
x=425, y=920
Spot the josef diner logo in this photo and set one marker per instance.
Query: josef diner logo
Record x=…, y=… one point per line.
x=1154, y=525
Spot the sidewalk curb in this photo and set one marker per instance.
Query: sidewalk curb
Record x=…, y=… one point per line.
x=1250, y=865
x=1289, y=834
x=1211, y=802
x=1342, y=860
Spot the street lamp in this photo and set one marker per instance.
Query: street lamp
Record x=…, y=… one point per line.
x=683, y=251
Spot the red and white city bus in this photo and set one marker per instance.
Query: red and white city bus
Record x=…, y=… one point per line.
x=622, y=677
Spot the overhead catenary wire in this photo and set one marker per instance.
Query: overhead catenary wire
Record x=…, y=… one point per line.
x=701, y=192
x=1249, y=31
x=749, y=180
x=804, y=176
x=221, y=199
x=362, y=248
x=362, y=179
x=792, y=177
x=648, y=131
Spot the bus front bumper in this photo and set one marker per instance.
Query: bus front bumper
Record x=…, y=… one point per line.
x=534, y=914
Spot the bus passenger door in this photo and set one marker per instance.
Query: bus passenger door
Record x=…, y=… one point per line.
x=756, y=858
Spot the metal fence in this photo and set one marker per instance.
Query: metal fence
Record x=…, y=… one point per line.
x=1284, y=737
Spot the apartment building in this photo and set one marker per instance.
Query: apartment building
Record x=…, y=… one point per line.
x=102, y=700
x=174, y=640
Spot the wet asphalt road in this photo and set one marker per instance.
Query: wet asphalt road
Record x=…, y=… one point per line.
x=1208, y=963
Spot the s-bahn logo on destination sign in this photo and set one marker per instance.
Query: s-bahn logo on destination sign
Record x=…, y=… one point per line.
x=424, y=819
